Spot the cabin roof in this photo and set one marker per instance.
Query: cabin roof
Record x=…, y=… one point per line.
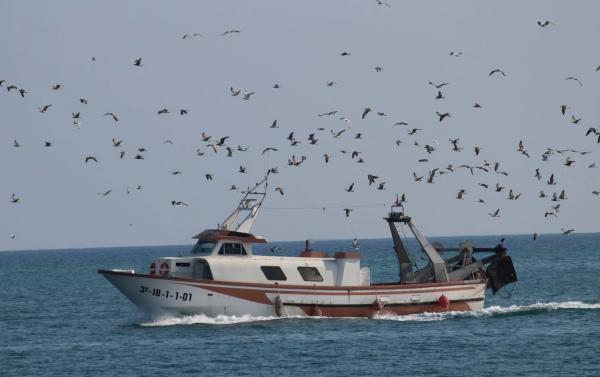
x=213, y=235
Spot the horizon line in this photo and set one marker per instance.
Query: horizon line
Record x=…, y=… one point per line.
x=286, y=241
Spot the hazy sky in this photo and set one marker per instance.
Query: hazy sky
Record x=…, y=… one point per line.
x=296, y=45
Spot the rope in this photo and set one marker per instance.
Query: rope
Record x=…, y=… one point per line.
x=331, y=207
x=410, y=255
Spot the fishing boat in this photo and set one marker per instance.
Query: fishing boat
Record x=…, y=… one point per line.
x=222, y=276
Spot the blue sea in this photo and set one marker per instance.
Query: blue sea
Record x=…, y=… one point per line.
x=58, y=317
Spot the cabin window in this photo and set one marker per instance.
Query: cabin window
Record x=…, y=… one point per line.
x=273, y=273
x=310, y=274
x=232, y=249
x=203, y=248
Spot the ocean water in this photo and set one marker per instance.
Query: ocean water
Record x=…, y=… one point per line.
x=58, y=317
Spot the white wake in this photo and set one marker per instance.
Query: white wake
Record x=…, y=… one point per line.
x=491, y=311
x=171, y=320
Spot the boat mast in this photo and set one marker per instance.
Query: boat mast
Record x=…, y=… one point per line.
x=247, y=209
x=404, y=262
x=437, y=269
x=439, y=264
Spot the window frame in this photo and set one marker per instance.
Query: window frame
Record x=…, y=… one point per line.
x=222, y=250
x=310, y=268
x=271, y=269
x=193, y=251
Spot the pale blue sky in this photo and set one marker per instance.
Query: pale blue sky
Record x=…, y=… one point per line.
x=298, y=46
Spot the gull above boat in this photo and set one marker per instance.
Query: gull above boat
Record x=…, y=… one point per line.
x=222, y=276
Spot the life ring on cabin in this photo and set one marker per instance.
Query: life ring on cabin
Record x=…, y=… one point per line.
x=152, y=268
x=164, y=269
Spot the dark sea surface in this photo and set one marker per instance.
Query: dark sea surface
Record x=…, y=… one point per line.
x=58, y=317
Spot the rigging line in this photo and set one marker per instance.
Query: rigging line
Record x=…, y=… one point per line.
x=377, y=250
x=410, y=255
x=330, y=207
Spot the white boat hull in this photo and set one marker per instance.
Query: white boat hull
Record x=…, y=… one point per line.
x=212, y=298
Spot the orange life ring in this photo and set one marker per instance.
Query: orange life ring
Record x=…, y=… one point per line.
x=444, y=301
x=164, y=269
x=152, y=268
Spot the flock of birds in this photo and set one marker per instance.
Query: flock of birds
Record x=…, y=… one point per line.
x=550, y=182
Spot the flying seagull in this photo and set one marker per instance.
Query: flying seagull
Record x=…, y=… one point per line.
x=544, y=23
x=442, y=116
x=113, y=115
x=438, y=86
x=379, y=2
x=328, y=113
x=574, y=79
x=232, y=31
x=44, y=108
x=497, y=71
x=185, y=36
x=178, y=203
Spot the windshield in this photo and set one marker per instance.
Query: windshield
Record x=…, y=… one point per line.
x=203, y=247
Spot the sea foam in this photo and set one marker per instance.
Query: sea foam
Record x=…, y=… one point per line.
x=492, y=311
x=173, y=320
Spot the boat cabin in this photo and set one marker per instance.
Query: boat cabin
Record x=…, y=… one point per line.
x=225, y=255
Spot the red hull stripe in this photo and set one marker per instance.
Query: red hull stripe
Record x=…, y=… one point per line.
x=369, y=311
x=250, y=292
x=317, y=291
x=387, y=306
